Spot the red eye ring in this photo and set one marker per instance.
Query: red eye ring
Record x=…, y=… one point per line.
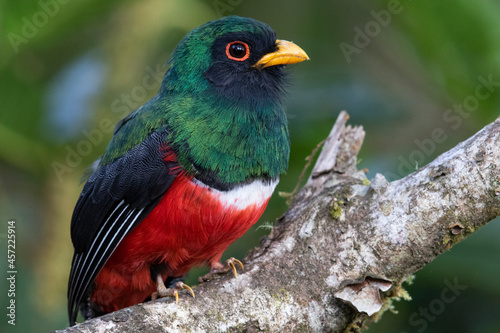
x=231, y=49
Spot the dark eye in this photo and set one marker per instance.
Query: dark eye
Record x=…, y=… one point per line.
x=238, y=51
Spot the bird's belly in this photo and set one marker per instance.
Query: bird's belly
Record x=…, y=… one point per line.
x=221, y=217
x=192, y=225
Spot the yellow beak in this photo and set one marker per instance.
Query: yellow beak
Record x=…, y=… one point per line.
x=287, y=53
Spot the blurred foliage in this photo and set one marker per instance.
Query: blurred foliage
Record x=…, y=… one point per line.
x=60, y=57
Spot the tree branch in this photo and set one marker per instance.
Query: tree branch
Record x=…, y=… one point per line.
x=343, y=248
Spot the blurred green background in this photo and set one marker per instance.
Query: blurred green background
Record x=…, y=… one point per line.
x=404, y=70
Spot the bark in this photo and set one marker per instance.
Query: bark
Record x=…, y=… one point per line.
x=342, y=250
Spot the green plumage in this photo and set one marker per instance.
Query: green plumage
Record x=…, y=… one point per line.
x=237, y=136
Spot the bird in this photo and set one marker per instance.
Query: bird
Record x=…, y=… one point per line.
x=187, y=173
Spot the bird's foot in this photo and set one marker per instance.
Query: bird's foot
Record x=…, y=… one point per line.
x=162, y=291
x=218, y=268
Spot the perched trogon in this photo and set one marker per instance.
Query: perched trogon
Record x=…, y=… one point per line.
x=187, y=173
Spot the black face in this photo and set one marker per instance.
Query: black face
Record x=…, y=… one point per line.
x=232, y=71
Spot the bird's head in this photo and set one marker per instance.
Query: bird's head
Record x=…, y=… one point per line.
x=235, y=57
x=221, y=101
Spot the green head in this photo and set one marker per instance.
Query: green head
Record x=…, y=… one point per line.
x=221, y=100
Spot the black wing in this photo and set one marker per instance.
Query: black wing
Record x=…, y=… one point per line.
x=115, y=199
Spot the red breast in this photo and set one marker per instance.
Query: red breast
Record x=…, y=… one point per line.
x=192, y=225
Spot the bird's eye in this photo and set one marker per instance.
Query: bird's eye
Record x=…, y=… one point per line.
x=238, y=51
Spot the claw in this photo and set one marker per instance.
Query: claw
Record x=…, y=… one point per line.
x=238, y=262
x=234, y=269
x=218, y=268
x=230, y=263
x=162, y=291
x=185, y=286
